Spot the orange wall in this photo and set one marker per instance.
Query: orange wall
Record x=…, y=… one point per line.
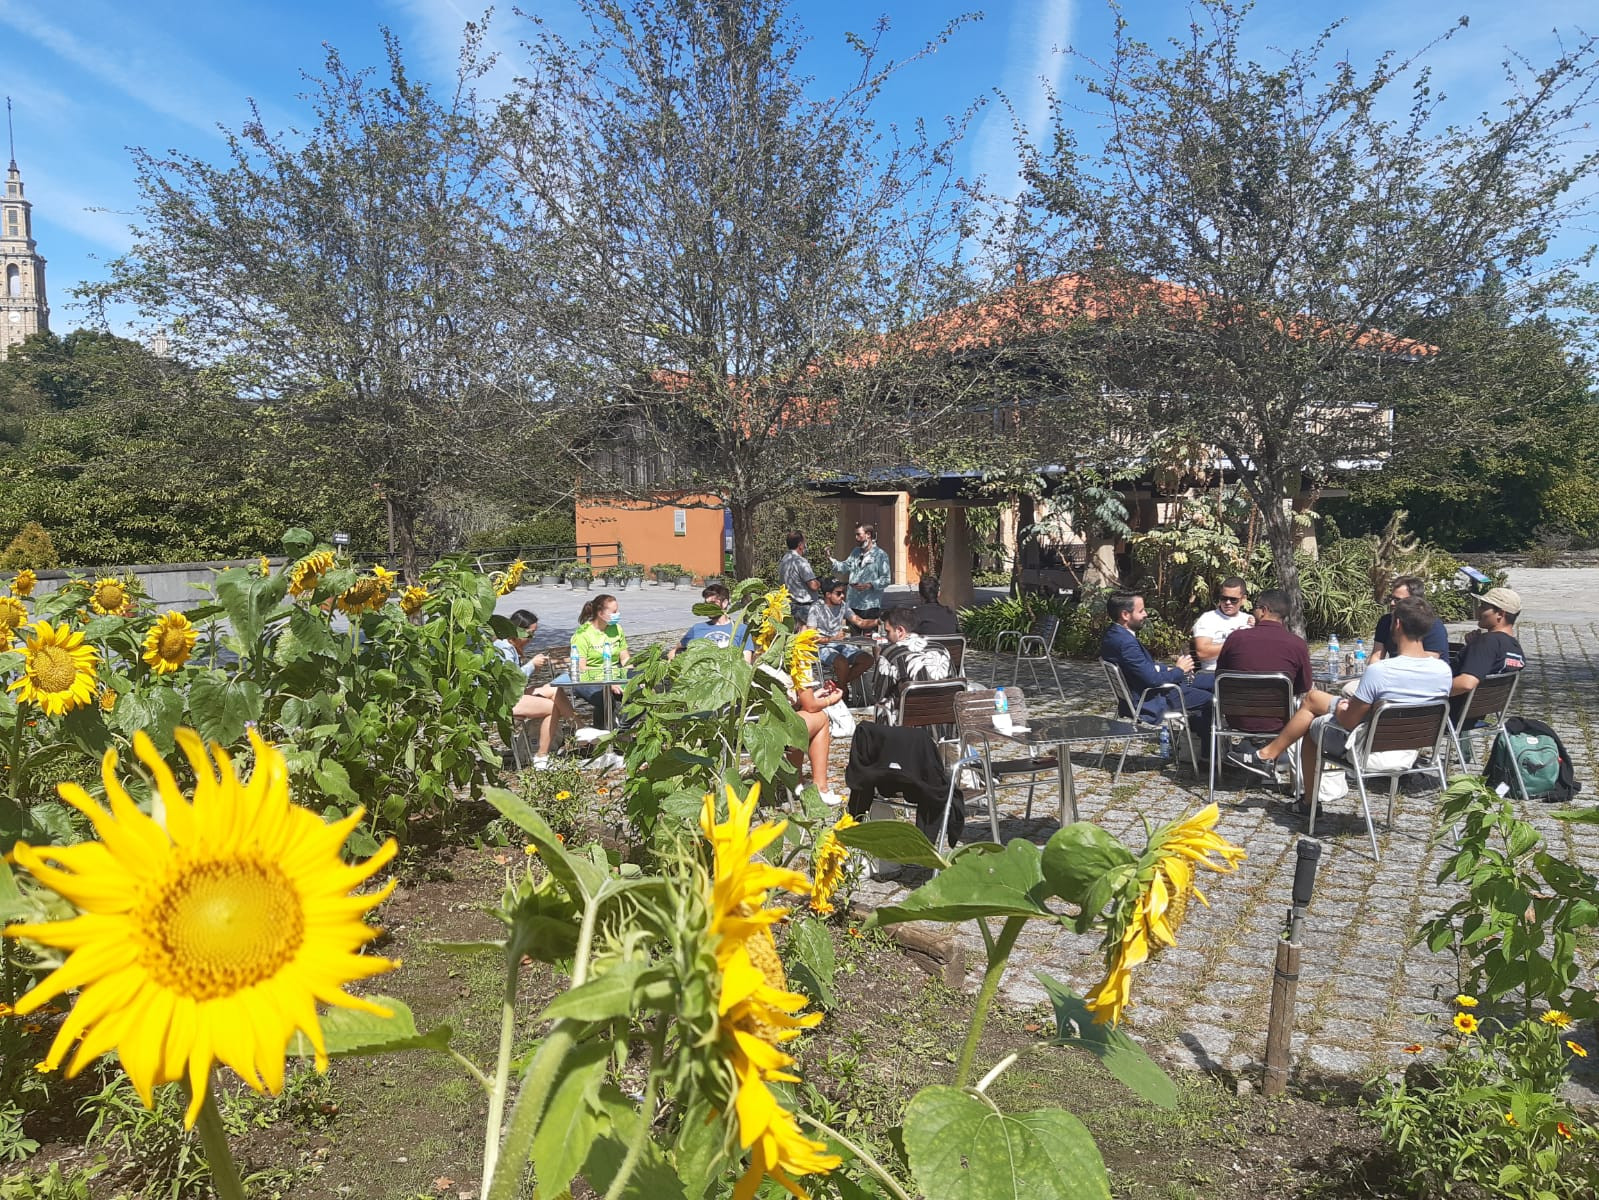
x=646, y=532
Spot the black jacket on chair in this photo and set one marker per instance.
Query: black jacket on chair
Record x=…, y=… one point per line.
x=890, y=761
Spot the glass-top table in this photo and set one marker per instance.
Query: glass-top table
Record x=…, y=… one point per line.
x=1059, y=734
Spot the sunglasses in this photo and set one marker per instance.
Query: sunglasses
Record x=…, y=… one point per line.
x=1230, y=600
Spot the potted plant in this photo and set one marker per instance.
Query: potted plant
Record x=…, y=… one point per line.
x=669, y=573
x=579, y=574
x=549, y=574
x=628, y=573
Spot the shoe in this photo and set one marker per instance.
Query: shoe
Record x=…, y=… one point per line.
x=587, y=734
x=1250, y=760
x=831, y=799
x=540, y=761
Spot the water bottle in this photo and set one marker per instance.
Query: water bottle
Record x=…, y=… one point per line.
x=1360, y=656
x=1332, y=656
x=572, y=669
x=1165, y=743
x=605, y=661
x=1001, y=705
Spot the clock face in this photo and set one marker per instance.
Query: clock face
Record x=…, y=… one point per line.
x=16, y=318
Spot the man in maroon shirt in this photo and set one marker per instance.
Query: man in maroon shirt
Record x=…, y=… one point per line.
x=1267, y=648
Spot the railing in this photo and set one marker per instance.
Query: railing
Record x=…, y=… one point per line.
x=542, y=559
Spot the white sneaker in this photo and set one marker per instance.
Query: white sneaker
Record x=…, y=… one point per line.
x=540, y=761
x=831, y=799
x=587, y=735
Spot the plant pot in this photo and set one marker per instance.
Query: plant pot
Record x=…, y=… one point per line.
x=547, y=580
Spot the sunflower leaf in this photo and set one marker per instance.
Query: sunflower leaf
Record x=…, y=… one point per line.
x=1120, y=1054
x=569, y=1126
x=962, y=1148
x=609, y=995
x=812, y=961
x=222, y=707
x=1009, y=883
x=1083, y=864
x=355, y=1033
x=896, y=841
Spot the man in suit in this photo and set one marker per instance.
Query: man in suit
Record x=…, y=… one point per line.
x=1122, y=647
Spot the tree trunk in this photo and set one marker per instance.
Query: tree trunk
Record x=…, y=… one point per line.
x=744, y=552
x=1278, y=520
x=405, y=539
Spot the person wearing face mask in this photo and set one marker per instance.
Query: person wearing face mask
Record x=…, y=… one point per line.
x=867, y=570
x=598, y=630
x=546, y=705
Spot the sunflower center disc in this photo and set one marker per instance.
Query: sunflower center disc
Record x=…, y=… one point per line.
x=53, y=669
x=172, y=645
x=109, y=598
x=220, y=927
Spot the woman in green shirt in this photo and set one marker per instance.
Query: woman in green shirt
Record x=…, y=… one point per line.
x=598, y=630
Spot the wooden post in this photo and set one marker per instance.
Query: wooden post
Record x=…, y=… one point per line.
x=1280, y=1024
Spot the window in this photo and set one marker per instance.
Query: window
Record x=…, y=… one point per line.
x=13, y=283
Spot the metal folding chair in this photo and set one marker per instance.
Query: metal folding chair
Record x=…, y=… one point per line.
x=1390, y=727
x=1492, y=697
x=1142, y=725
x=1035, y=646
x=974, y=711
x=931, y=705
x=1244, y=694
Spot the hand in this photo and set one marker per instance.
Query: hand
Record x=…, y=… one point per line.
x=861, y=587
x=1185, y=663
x=540, y=659
x=1250, y=623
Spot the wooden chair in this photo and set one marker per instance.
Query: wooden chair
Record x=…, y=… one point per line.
x=1143, y=726
x=974, y=711
x=1035, y=646
x=955, y=646
x=1243, y=694
x=931, y=705
x=1492, y=697
x=1390, y=727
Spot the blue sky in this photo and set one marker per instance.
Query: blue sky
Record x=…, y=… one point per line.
x=90, y=78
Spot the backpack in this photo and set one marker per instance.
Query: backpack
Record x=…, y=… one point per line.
x=1535, y=750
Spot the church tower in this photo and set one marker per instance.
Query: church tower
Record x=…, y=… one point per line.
x=23, y=308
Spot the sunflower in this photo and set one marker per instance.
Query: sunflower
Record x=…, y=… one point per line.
x=210, y=938
x=109, y=597
x=108, y=699
x=366, y=594
x=1466, y=1001
x=1147, y=922
x=308, y=572
x=774, y=608
x=58, y=671
x=511, y=580
x=169, y=643
x=1466, y=1023
x=13, y=614
x=412, y=599
x=385, y=579
x=803, y=653
x=1560, y=1020
x=756, y=1011
x=827, y=865
x=22, y=583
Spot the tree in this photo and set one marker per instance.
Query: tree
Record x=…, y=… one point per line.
x=1256, y=242
x=357, y=277
x=731, y=252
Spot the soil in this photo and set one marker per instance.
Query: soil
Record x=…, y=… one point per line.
x=410, y=1126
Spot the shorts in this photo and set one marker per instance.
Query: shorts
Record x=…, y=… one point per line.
x=833, y=650
x=1332, y=737
x=868, y=614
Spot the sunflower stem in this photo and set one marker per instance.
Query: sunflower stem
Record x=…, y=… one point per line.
x=998, y=957
x=16, y=753
x=217, y=1155
x=860, y=1152
x=502, y=1073
x=635, y=1150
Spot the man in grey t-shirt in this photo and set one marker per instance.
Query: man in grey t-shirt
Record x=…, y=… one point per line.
x=1410, y=677
x=795, y=574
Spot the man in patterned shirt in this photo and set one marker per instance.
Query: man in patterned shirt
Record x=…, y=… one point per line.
x=833, y=620
x=908, y=658
x=866, y=567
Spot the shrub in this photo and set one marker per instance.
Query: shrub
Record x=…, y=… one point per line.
x=1083, y=623
x=32, y=547
x=553, y=530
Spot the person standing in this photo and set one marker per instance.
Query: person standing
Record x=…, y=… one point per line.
x=867, y=570
x=1212, y=628
x=795, y=574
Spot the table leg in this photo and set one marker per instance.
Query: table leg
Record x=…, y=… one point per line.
x=1067, y=785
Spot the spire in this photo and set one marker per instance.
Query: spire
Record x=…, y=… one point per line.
x=11, y=135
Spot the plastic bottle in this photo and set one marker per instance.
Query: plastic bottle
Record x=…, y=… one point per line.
x=1332, y=656
x=1165, y=743
x=577, y=658
x=605, y=661
x=1001, y=705
x=1360, y=656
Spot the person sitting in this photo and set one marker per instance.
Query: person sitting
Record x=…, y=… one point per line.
x=908, y=658
x=599, y=652
x=811, y=699
x=1384, y=642
x=1491, y=649
x=546, y=705
x=933, y=617
x=1268, y=647
x=1213, y=627
x=719, y=631
x=1410, y=677
x=833, y=621
x=1122, y=648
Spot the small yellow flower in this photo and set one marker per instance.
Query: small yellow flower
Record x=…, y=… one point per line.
x=44, y=1068
x=108, y=700
x=1466, y=1001
x=1576, y=1049
x=1510, y=1119
x=33, y=1027
x=1563, y=1130
x=1560, y=1020
x=264, y=566
x=1466, y=1023
x=23, y=582
x=563, y=795
x=530, y=850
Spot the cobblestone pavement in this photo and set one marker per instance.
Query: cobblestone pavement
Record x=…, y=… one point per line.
x=1364, y=991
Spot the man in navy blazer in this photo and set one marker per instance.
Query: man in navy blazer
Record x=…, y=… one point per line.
x=1122, y=647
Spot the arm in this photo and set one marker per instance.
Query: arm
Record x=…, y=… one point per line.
x=1351, y=711
x=1476, y=664
x=808, y=700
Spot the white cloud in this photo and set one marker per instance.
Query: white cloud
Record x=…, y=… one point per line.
x=1035, y=63
x=439, y=25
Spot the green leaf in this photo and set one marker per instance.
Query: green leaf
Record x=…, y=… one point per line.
x=468, y=949
x=334, y=781
x=1080, y=858
x=1007, y=884
x=352, y=1033
x=567, y=1130
x=10, y=898
x=298, y=541
x=652, y=1178
x=897, y=841
x=962, y=1148
x=156, y=709
x=221, y=707
x=526, y=818
x=700, y=1150
x=600, y=999
x=1120, y=1054
x=1577, y=816
x=812, y=961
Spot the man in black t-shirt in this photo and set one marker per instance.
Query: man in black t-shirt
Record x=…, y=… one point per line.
x=1385, y=643
x=1492, y=649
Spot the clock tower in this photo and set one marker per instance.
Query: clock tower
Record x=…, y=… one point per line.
x=23, y=308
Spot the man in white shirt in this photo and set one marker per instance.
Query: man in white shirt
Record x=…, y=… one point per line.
x=1212, y=628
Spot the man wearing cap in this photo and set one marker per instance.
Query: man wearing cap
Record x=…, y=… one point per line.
x=1491, y=649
